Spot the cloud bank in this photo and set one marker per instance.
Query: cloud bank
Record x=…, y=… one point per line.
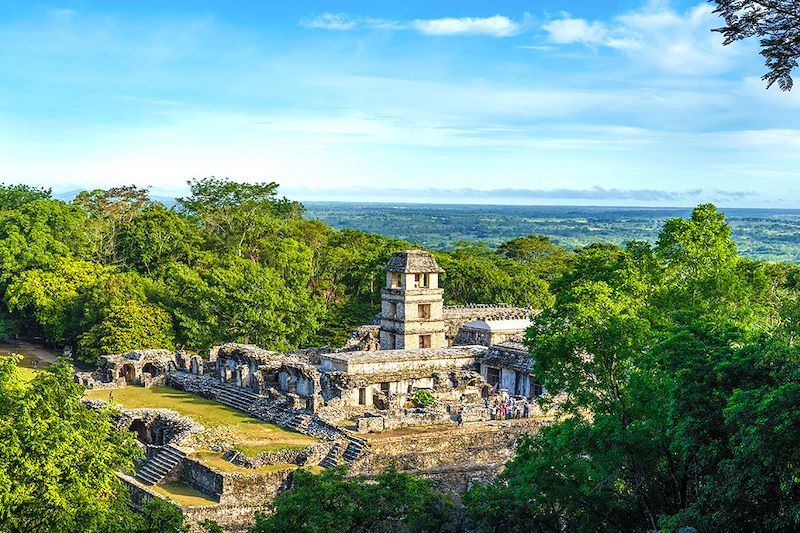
x=591, y=194
x=656, y=34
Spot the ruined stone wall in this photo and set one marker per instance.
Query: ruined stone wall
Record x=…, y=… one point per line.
x=364, y=339
x=256, y=488
x=197, y=475
x=484, y=448
x=456, y=317
x=310, y=455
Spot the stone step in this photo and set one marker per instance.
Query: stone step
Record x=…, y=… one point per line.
x=353, y=451
x=146, y=478
x=159, y=465
x=332, y=458
x=241, y=393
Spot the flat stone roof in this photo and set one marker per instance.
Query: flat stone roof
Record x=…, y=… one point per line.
x=511, y=345
x=419, y=354
x=518, y=324
x=413, y=262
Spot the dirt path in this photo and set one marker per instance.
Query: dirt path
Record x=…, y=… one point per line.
x=30, y=351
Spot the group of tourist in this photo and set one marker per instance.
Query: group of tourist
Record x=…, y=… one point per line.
x=508, y=408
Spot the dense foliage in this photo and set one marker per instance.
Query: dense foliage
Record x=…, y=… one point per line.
x=113, y=271
x=675, y=371
x=330, y=501
x=58, y=460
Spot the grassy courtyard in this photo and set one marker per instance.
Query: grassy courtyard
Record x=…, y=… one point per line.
x=184, y=494
x=250, y=434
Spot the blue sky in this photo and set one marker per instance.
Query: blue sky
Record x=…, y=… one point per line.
x=606, y=103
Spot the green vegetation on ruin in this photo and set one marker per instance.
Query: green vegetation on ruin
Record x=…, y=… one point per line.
x=183, y=494
x=254, y=435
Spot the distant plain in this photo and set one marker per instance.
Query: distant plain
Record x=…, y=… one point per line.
x=767, y=234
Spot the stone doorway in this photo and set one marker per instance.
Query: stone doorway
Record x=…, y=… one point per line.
x=128, y=371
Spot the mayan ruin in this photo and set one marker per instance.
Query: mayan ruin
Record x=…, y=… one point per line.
x=358, y=404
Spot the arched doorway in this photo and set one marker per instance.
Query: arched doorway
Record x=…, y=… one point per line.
x=140, y=429
x=128, y=372
x=150, y=368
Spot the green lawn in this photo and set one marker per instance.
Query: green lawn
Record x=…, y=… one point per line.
x=184, y=494
x=216, y=461
x=251, y=434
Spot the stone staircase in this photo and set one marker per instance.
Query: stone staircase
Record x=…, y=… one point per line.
x=353, y=450
x=265, y=409
x=239, y=399
x=332, y=459
x=299, y=423
x=157, y=467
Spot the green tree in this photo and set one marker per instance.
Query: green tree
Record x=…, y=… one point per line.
x=476, y=274
x=127, y=326
x=109, y=211
x=664, y=363
x=701, y=269
x=156, y=237
x=38, y=235
x=776, y=23
x=238, y=218
x=544, y=258
x=237, y=299
x=58, y=459
x=331, y=501
x=160, y=516
x=55, y=298
x=15, y=196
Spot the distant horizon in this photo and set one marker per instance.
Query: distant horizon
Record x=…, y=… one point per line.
x=452, y=201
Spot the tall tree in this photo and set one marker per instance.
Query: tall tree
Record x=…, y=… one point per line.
x=331, y=501
x=109, y=211
x=238, y=217
x=39, y=234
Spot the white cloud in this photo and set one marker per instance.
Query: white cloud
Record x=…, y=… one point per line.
x=571, y=30
x=496, y=26
x=330, y=21
x=656, y=36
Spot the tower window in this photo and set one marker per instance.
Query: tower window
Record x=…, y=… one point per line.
x=421, y=280
x=424, y=341
x=396, y=280
x=393, y=310
x=424, y=311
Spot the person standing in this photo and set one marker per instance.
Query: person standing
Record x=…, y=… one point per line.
x=526, y=410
